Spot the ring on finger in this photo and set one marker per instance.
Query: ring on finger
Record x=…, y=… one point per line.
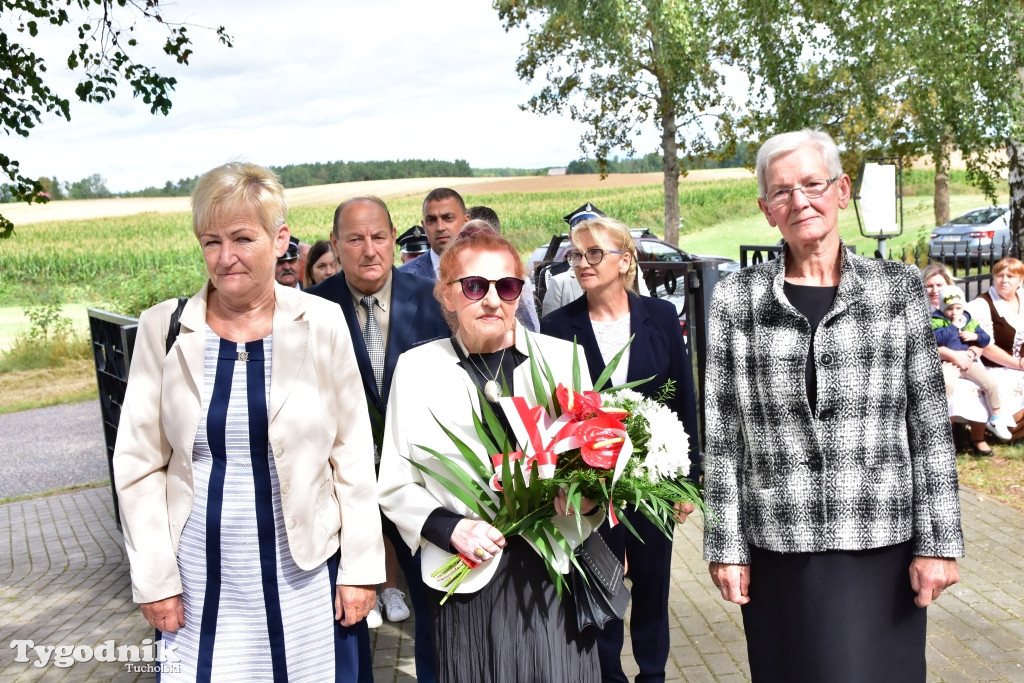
x=480, y=552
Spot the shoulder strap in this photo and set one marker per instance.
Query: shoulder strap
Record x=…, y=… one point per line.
x=175, y=326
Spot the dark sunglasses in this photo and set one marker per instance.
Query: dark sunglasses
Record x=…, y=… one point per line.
x=476, y=287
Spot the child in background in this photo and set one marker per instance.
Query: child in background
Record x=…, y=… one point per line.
x=954, y=328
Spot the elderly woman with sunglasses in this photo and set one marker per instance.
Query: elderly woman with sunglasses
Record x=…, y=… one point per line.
x=505, y=621
x=602, y=322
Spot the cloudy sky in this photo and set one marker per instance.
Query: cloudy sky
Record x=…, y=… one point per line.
x=309, y=81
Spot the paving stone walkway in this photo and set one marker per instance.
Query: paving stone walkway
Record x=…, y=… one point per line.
x=64, y=581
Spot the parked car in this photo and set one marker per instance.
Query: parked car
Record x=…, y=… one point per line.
x=977, y=232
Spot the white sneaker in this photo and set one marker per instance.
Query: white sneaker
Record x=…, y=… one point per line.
x=1000, y=426
x=373, y=619
x=394, y=604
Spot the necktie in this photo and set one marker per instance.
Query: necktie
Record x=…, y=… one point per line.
x=374, y=341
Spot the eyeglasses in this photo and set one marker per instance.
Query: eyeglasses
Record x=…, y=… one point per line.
x=812, y=189
x=476, y=287
x=593, y=256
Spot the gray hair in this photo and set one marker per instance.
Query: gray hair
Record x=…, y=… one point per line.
x=784, y=143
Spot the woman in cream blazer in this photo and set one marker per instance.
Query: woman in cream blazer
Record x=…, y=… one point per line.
x=245, y=473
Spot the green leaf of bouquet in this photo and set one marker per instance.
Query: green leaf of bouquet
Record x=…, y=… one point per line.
x=520, y=491
x=574, y=498
x=627, y=385
x=624, y=521
x=507, y=488
x=468, y=453
x=546, y=550
x=502, y=444
x=484, y=434
x=465, y=488
x=548, y=375
x=543, y=395
x=609, y=369
x=576, y=379
x=537, y=517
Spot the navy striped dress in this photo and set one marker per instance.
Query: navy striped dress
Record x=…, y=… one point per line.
x=251, y=614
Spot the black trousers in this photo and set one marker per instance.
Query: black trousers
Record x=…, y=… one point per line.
x=650, y=570
x=834, y=617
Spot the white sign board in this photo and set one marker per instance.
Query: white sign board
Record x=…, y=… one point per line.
x=878, y=200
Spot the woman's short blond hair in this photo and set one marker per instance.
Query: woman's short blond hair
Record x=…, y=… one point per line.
x=609, y=234
x=239, y=188
x=1011, y=264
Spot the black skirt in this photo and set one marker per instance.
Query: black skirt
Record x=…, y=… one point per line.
x=838, y=616
x=513, y=629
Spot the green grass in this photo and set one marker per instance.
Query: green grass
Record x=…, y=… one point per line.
x=1001, y=476
x=725, y=238
x=14, y=323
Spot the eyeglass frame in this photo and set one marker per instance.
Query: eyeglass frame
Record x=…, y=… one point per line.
x=569, y=256
x=829, y=182
x=462, y=286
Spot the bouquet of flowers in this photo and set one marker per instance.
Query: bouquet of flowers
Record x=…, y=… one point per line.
x=615, y=447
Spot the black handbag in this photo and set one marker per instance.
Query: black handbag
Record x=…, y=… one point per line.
x=597, y=586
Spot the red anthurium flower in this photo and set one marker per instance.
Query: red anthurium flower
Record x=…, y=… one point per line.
x=601, y=442
x=572, y=403
x=592, y=401
x=617, y=414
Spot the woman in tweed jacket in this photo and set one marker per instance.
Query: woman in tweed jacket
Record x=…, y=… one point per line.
x=830, y=468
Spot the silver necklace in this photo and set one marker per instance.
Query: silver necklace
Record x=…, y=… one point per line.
x=492, y=391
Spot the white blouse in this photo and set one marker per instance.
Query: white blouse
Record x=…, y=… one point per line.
x=611, y=337
x=979, y=310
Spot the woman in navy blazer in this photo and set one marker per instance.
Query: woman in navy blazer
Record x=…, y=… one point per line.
x=601, y=321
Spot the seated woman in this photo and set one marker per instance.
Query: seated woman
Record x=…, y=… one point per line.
x=505, y=621
x=1000, y=312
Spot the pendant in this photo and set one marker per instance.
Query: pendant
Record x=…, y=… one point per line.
x=492, y=392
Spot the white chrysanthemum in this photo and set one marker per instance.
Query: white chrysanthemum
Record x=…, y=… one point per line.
x=667, y=454
x=620, y=397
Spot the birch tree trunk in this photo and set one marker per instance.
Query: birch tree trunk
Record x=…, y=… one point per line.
x=940, y=203
x=670, y=165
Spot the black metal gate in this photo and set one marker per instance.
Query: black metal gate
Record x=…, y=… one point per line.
x=113, y=338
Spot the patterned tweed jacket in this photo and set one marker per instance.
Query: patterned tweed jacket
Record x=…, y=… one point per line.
x=873, y=466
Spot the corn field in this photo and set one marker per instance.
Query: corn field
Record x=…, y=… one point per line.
x=135, y=261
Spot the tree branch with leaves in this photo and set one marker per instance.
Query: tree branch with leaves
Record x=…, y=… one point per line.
x=101, y=49
x=615, y=65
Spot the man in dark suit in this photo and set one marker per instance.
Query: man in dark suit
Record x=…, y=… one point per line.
x=388, y=311
x=444, y=214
